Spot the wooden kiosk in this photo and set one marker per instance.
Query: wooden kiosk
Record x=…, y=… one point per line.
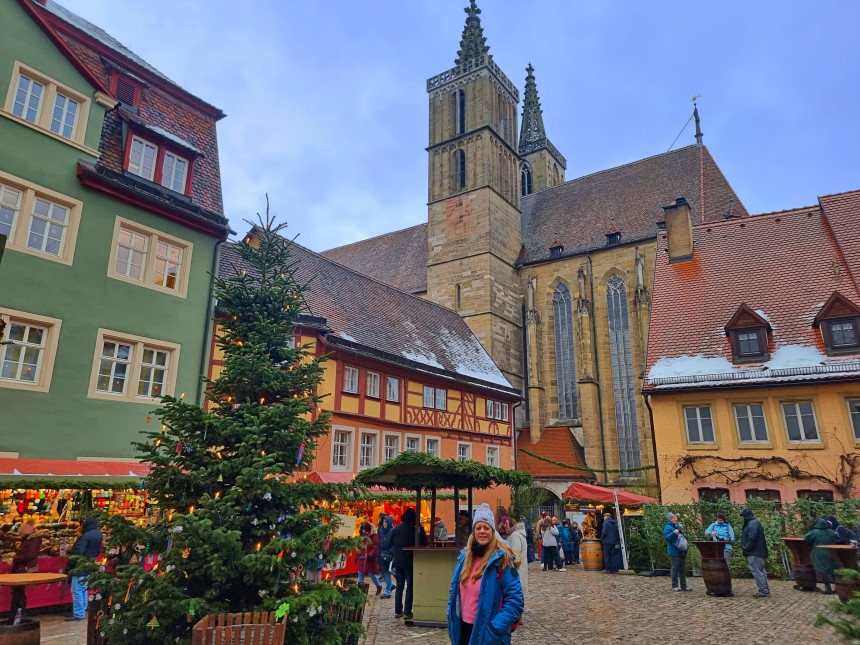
x=433, y=565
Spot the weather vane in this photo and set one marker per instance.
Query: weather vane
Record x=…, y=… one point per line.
x=698, y=96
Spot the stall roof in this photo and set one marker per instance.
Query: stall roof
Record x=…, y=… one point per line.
x=34, y=473
x=411, y=470
x=591, y=493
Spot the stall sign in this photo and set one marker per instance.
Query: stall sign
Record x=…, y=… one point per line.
x=346, y=525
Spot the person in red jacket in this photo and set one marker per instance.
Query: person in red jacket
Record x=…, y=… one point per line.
x=25, y=560
x=367, y=561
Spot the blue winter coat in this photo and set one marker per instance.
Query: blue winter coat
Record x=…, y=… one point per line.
x=672, y=538
x=564, y=537
x=494, y=617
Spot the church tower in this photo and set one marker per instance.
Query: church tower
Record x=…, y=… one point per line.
x=473, y=232
x=542, y=164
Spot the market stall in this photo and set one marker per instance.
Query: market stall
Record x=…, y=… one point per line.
x=434, y=564
x=56, y=495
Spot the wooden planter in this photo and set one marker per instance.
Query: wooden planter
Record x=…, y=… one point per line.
x=804, y=573
x=234, y=629
x=715, y=571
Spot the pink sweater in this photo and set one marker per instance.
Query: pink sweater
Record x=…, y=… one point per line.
x=469, y=594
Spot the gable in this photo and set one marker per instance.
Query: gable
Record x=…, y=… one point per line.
x=837, y=306
x=746, y=318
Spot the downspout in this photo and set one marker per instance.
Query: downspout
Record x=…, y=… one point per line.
x=654, y=446
x=207, y=330
x=525, y=366
x=597, y=368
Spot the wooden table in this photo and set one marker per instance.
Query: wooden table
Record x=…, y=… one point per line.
x=805, y=578
x=844, y=554
x=29, y=579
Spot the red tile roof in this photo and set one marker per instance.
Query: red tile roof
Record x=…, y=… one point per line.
x=842, y=212
x=783, y=265
x=398, y=259
x=557, y=444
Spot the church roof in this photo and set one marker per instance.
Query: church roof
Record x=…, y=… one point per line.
x=367, y=316
x=398, y=259
x=753, y=260
x=843, y=216
x=580, y=211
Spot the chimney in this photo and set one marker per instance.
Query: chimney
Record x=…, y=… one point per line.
x=679, y=230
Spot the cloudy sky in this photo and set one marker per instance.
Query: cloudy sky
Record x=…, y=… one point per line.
x=327, y=109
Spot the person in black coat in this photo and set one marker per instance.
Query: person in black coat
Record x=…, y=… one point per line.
x=576, y=536
x=530, y=540
x=611, y=543
x=755, y=551
x=404, y=536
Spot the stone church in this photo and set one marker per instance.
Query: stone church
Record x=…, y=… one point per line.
x=552, y=275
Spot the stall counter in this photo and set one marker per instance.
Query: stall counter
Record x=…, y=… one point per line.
x=55, y=593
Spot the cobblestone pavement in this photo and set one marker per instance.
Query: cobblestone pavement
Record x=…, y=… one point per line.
x=595, y=607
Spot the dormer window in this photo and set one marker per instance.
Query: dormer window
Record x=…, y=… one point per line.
x=747, y=331
x=159, y=164
x=839, y=321
x=613, y=236
x=556, y=248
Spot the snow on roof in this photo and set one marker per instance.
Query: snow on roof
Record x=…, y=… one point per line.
x=168, y=135
x=795, y=356
x=696, y=365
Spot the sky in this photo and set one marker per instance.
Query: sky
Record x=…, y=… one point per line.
x=327, y=110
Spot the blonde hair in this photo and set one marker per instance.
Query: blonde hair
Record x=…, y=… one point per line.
x=509, y=557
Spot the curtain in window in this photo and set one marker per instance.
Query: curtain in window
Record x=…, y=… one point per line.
x=564, y=358
x=622, y=375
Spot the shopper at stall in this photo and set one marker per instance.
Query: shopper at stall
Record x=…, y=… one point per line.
x=844, y=535
x=486, y=594
x=565, y=540
x=530, y=539
x=404, y=536
x=440, y=531
x=722, y=531
x=755, y=551
x=550, y=546
x=25, y=560
x=519, y=544
x=88, y=546
x=576, y=537
x=385, y=555
x=821, y=535
x=464, y=527
x=367, y=563
x=611, y=543
x=676, y=547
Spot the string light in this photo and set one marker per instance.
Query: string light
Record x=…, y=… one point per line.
x=191, y=510
x=259, y=545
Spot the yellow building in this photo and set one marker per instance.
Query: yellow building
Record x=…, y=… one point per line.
x=553, y=276
x=754, y=354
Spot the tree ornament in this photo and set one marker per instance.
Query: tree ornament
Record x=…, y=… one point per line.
x=186, y=552
x=152, y=624
x=282, y=611
x=220, y=478
x=301, y=453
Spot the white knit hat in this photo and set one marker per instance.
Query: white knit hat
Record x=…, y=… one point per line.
x=484, y=514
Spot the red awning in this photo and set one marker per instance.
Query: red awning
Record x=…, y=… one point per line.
x=593, y=493
x=37, y=468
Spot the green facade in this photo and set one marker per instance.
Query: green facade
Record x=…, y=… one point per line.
x=64, y=423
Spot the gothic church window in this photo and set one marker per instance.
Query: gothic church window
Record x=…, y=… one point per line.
x=458, y=111
x=624, y=386
x=526, y=180
x=556, y=178
x=458, y=170
x=564, y=353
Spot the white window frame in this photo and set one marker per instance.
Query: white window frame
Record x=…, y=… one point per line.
x=135, y=364
x=349, y=450
x=168, y=182
x=490, y=408
x=372, y=385
x=701, y=439
x=854, y=416
x=386, y=453
x=395, y=390
x=796, y=404
x=468, y=446
x=506, y=414
x=373, y=455
x=48, y=221
x=429, y=397
x=47, y=356
x=136, y=166
x=350, y=379
x=50, y=90
x=494, y=451
x=438, y=441
x=441, y=399
x=749, y=417
x=171, y=265
x=154, y=238
x=23, y=217
x=406, y=440
x=64, y=113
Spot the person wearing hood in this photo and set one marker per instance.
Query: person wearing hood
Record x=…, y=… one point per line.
x=820, y=535
x=385, y=555
x=611, y=542
x=677, y=551
x=754, y=547
x=844, y=535
x=89, y=545
x=486, y=597
x=25, y=560
x=404, y=536
x=519, y=543
x=440, y=531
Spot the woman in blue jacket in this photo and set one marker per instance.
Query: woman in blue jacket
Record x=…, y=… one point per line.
x=486, y=596
x=672, y=533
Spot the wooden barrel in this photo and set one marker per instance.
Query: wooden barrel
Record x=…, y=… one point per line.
x=718, y=580
x=805, y=577
x=26, y=632
x=845, y=588
x=592, y=555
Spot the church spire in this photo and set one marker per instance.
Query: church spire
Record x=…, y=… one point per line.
x=532, y=130
x=473, y=43
x=698, y=124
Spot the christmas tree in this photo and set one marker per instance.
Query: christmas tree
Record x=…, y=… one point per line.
x=235, y=534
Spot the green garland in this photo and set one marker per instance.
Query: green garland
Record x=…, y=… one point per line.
x=396, y=497
x=586, y=468
x=74, y=484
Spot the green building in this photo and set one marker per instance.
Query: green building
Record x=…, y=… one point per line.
x=110, y=197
